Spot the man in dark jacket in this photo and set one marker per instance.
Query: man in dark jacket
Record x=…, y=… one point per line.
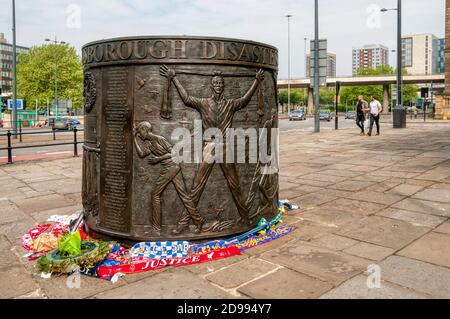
x=361, y=109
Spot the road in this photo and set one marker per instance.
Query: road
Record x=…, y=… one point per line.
x=308, y=125
x=33, y=139
x=284, y=125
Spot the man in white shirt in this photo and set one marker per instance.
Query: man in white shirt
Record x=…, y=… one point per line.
x=375, y=110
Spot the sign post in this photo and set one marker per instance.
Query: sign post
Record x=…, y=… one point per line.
x=338, y=88
x=318, y=70
x=19, y=105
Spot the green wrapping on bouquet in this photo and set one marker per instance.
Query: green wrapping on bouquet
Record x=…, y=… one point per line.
x=70, y=244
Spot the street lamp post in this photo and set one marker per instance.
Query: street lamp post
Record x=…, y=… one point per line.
x=399, y=114
x=306, y=69
x=306, y=57
x=316, y=68
x=14, y=113
x=289, y=62
x=56, y=73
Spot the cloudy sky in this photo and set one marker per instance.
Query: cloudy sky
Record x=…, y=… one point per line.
x=345, y=23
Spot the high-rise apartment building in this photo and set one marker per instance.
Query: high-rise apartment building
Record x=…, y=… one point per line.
x=369, y=56
x=6, y=63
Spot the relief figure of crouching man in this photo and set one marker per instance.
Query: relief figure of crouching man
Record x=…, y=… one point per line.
x=158, y=150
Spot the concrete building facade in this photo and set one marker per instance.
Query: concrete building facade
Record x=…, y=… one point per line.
x=442, y=110
x=420, y=53
x=369, y=56
x=6, y=64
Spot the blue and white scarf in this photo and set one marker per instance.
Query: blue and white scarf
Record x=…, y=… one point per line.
x=156, y=250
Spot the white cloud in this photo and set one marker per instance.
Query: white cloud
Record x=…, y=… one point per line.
x=342, y=22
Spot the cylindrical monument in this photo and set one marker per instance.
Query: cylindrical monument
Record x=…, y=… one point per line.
x=180, y=137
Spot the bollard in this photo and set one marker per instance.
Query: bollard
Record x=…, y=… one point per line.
x=9, y=148
x=20, y=133
x=75, y=144
x=53, y=129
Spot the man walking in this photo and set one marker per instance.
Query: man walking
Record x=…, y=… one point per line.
x=361, y=108
x=375, y=110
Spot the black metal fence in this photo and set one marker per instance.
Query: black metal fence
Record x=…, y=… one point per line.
x=10, y=147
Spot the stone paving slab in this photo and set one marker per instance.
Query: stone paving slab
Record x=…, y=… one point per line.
x=175, y=283
x=377, y=197
x=352, y=185
x=354, y=206
x=405, y=189
x=11, y=213
x=433, y=248
x=436, y=194
x=7, y=257
x=42, y=216
x=323, y=177
x=206, y=268
x=371, y=178
x=435, y=174
x=321, y=263
x=444, y=228
x=307, y=230
x=241, y=272
x=15, y=230
x=384, y=232
x=418, y=182
x=334, y=242
x=288, y=284
x=142, y=275
x=441, y=186
x=339, y=172
x=15, y=282
x=313, y=200
x=424, y=207
x=416, y=219
x=417, y=275
x=357, y=288
x=384, y=187
x=330, y=216
x=369, y=251
x=32, y=205
x=75, y=286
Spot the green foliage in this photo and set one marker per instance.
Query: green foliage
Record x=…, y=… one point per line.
x=327, y=96
x=351, y=93
x=297, y=96
x=36, y=74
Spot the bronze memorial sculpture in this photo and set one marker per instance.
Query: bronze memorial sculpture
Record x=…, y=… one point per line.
x=160, y=113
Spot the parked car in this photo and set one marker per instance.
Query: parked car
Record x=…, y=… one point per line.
x=350, y=115
x=62, y=123
x=297, y=115
x=325, y=115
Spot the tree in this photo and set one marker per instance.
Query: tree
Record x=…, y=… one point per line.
x=297, y=96
x=351, y=93
x=36, y=74
x=327, y=96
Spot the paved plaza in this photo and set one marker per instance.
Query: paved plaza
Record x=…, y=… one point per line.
x=369, y=206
